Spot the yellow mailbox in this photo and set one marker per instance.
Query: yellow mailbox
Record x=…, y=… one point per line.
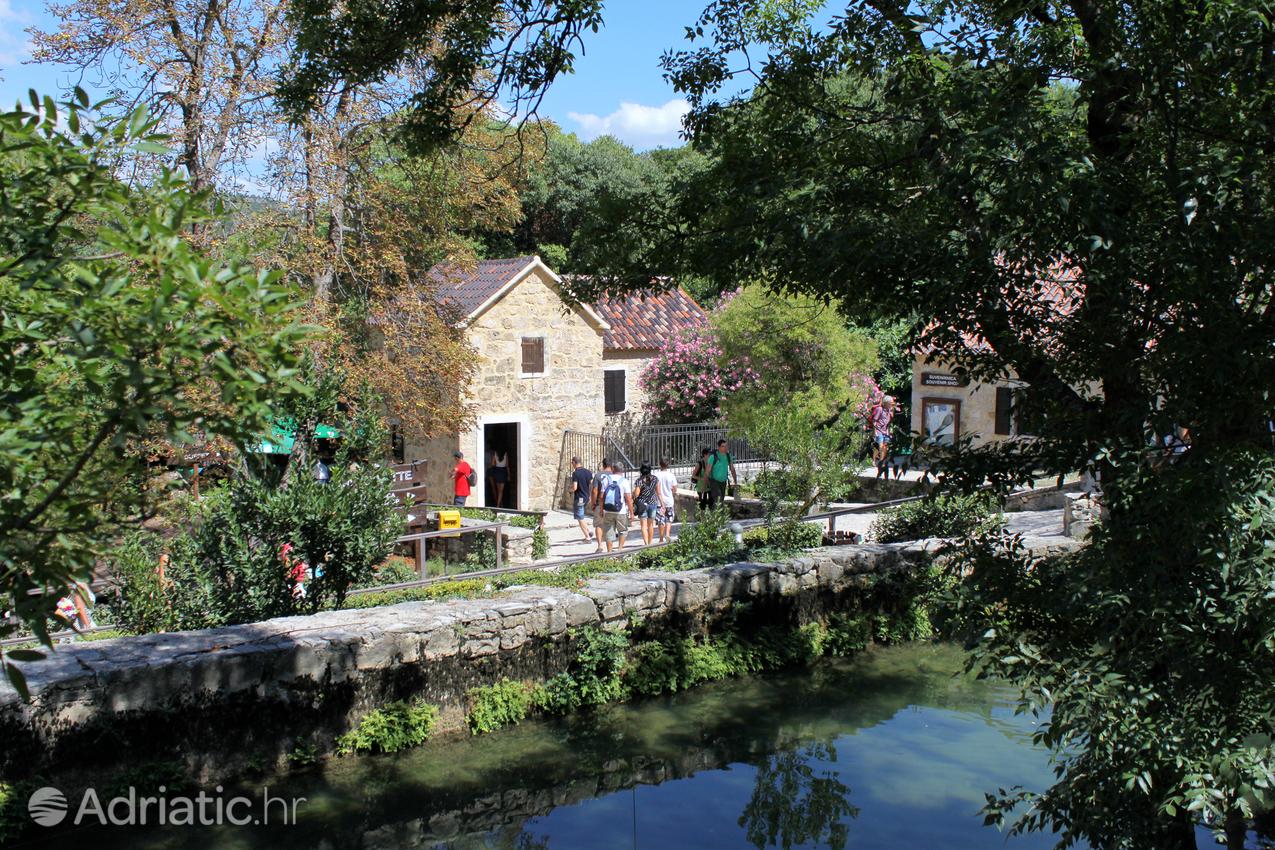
x=448, y=520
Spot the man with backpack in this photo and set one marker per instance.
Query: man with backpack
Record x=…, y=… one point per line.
x=615, y=494
x=464, y=477
x=599, y=484
x=720, y=470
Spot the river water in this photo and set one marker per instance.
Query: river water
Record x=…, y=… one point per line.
x=892, y=749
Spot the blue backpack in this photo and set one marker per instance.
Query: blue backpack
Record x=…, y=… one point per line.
x=611, y=495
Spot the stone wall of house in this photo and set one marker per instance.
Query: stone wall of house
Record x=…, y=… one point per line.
x=568, y=395
x=978, y=402
x=633, y=363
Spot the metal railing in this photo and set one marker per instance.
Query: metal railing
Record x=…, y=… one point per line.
x=682, y=444
x=417, y=539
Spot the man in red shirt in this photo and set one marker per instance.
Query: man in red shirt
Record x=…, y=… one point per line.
x=461, y=475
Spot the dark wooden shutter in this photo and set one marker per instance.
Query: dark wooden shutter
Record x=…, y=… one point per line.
x=613, y=390
x=533, y=355
x=1004, y=411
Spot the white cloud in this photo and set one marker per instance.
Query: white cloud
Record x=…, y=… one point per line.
x=638, y=125
x=15, y=45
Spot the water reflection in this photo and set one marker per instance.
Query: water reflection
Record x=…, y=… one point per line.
x=794, y=805
x=885, y=751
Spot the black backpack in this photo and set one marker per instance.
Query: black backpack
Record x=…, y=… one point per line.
x=643, y=499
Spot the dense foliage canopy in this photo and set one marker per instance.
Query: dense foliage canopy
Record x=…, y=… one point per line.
x=113, y=329
x=1075, y=196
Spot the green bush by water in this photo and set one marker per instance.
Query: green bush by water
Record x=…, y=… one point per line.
x=611, y=666
x=940, y=516
x=395, y=727
x=13, y=809
x=594, y=677
x=505, y=703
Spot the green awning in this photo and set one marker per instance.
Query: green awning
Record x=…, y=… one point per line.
x=283, y=436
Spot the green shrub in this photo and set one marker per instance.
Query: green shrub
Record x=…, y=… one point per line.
x=393, y=571
x=655, y=668
x=674, y=665
x=848, y=634
x=148, y=778
x=472, y=588
x=539, y=544
x=705, y=542
x=140, y=602
x=502, y=704
x=937, y=516
x=13, y=809
x=395, y=727
x=900, y=604
x=595, y=676
x=788, y=536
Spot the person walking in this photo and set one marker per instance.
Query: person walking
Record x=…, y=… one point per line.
x=699, y=480
x=462, y=478
x=498, y=474
x=666, y=491
x=646, y=502
x=881, y=419
x=600, y=482
x=721, y=470
x=581, y=490
x=617, y=507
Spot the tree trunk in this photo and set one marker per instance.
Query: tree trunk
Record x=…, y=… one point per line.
x=1236, y=830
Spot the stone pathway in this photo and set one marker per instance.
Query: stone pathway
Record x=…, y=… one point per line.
x=565, y=539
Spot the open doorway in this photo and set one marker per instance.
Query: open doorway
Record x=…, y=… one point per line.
x=502, y=465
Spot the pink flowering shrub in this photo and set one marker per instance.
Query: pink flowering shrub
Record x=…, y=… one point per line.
x=689, y=379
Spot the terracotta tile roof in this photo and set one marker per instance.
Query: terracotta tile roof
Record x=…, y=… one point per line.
x=641, y=322
x=1049, y=297
x=466, y=289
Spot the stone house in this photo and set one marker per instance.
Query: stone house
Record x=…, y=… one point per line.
x=546, y=364
x=947, y=407
x=639, y=327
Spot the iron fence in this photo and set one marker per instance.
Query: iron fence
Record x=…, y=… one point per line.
x=682, y=444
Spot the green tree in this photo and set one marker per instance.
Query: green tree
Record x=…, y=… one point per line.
x=570, y=187
x=804, y=357
x=496, y=53
x=112, y=329
x=1077, y=194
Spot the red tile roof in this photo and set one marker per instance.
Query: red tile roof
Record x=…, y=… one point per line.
x=639, y=322
x=466, y=289
x=1049, y=297
x=644, y=321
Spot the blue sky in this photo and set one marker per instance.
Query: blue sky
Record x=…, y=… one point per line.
x=617, y=88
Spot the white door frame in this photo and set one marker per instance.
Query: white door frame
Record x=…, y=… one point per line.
x=523, y=421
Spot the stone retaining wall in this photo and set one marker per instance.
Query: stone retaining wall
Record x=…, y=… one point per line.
x=244, y=697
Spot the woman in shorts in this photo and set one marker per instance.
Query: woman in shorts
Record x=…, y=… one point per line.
x=646, y=502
